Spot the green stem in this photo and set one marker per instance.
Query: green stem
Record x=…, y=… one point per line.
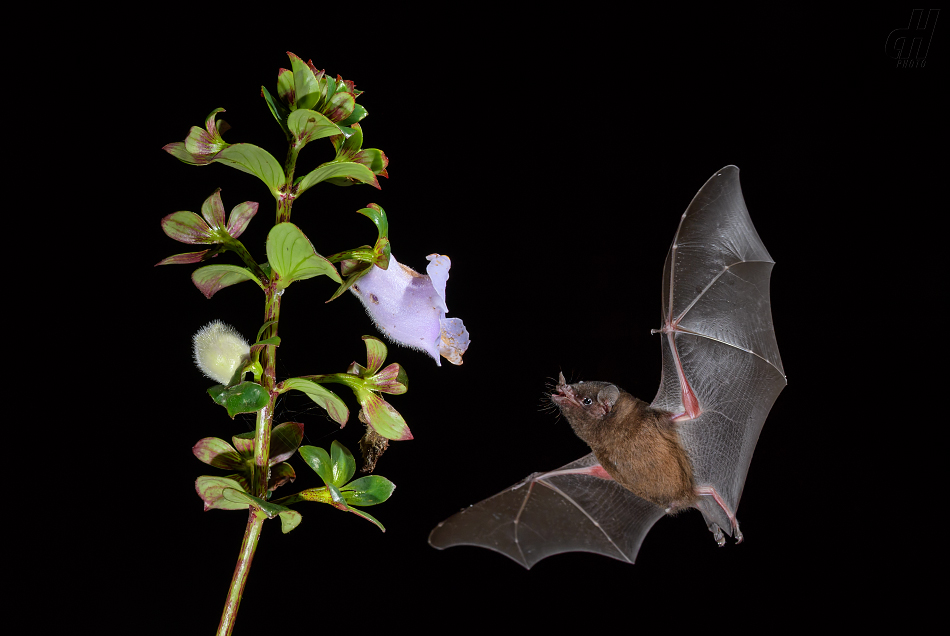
x=286, y=200
x=265, y=417
x=252, y=534
x=241, y=251
x=290, y=164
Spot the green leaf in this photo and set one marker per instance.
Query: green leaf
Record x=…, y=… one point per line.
x=256, y=161
x=292, y=256
x=309, y=125
x=289, y=519
x=368, y=517
x=278, y=110
x=260, y=331
x=340, y=169
x=240, y=216
x=213, y=278
x=212, y=489
x=384, y=419
x=218, y=453
x=342, y=463
x=375, y=354
x=368, y=491
x=280, y=474
x=285, y=88
x=188, y=227
x=191, y=257
x=244, y=443
x=246, y=397
x=359, y=113
x=213, y=211
x=285, y=438
x=306, y=87
x=374, y=159
x=327, y=399
x=236, y=496
x=340, y=106
x=349, y=143
x=393, y=380
x=319, y=460
x=377, y=215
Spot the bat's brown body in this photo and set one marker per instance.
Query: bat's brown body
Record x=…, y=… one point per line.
x=637, y=445
x=691, y=446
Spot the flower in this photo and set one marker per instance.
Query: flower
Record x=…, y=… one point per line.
x=220, y=351
x=409, y=308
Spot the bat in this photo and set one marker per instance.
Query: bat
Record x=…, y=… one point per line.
x=691, y=447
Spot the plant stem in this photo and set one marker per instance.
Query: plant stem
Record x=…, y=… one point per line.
x=255, y=521
x=265, y=420
x=266, y=415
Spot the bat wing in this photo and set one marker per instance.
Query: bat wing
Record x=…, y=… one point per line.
x=721, y=364
x=571, y=509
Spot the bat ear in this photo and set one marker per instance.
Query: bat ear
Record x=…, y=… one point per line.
x=607, y=397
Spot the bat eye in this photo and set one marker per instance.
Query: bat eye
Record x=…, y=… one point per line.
x=587, y=401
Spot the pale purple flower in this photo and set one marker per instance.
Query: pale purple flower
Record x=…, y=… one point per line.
x=409, y=308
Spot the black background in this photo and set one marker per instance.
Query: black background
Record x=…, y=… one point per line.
x=551, y=161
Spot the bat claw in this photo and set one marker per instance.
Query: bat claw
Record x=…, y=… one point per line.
x=717, y=534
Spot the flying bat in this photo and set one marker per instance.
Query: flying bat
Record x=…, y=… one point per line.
x=692, y=445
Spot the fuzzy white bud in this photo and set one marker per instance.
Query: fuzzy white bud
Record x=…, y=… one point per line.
x=219, y=350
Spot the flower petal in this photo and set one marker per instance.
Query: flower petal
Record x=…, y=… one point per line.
x=438, y=270
x=410, y=308
x=454, y=340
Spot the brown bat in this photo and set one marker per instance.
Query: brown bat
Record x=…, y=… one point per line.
x=691, y=447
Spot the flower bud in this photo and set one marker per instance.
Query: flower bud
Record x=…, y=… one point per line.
x=219, y=351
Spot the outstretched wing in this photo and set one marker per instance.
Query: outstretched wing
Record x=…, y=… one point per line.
x=721, y=365
x=571, y=509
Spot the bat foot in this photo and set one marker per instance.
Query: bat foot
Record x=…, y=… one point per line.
x=717, y=534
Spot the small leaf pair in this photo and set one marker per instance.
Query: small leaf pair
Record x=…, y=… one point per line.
x=230, y=492
x=285, y=438
x=367, y=383
x=203, y=147
x=290, y=256
x=349, y=148
x=188, y=227
x=356, y=263
x=336, y=468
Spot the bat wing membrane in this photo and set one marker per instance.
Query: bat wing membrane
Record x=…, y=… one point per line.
x=554, y=512
x=718, y=344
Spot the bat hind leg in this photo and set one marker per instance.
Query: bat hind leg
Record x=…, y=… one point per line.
x=709, y=491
